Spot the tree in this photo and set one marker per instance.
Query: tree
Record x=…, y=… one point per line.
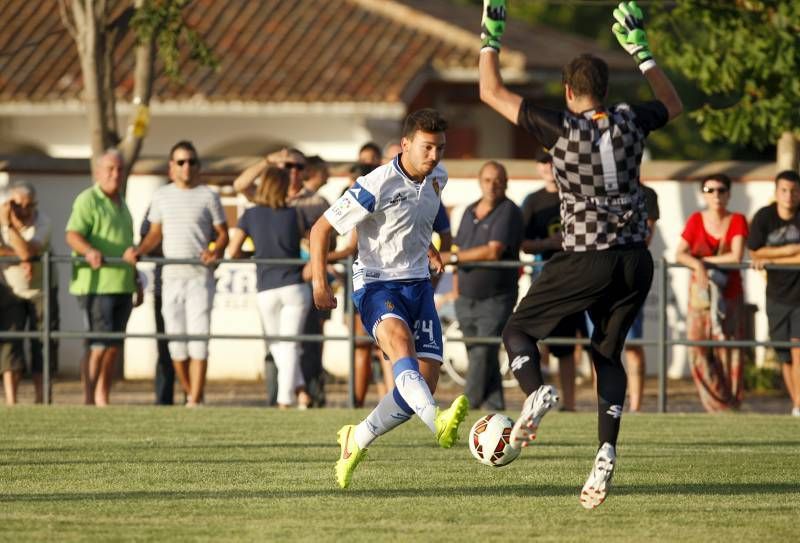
x=744, y=55
x=97, y=28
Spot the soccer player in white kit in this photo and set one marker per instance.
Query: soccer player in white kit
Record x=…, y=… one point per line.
x=393, y=209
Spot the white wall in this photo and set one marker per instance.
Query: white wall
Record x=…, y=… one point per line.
x=234, y=308
x=334, y=137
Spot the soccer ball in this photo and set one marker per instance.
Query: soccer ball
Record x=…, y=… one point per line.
x=490, y=440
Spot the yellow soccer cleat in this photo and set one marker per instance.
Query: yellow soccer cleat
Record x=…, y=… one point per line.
x=448, y=421
x=350, y=456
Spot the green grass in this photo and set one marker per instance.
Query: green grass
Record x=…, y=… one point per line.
x=247, y=474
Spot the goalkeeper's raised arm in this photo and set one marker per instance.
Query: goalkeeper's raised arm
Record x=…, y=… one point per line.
x=628, y=29
x=631, y=35
x=493, y=91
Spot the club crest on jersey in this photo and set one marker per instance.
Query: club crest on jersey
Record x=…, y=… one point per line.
x=389, y=305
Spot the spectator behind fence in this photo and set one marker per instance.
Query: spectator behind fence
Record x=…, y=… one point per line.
x=165, y=371
x=490, y=230
x=26, y=278
x=310, y=206
x=775, y=239
x=184, y=216
x=12, y=307
x=283, y=298
x=101, y=226
x=716, y=299
x=391, y=150
x=370, y=154
x=542, y=219
x=317, y=174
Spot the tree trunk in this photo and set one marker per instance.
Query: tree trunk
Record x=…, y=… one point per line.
x=788, y=155
x=139, y=119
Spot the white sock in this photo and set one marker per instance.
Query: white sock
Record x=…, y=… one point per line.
x=417, y=395
x=386, y=416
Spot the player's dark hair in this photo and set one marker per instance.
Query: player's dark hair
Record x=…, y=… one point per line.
x=186, y=145
x=587, y=75
x=788, y=175
x=721, y=177
x=426, y=120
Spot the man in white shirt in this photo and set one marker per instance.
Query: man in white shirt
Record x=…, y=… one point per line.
x=393, y=209
x=187, y=215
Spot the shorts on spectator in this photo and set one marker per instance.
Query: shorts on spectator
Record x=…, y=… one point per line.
x=784, y=325
x=12, y=319
x=636, y=331
x=186, y=308
x=105, y=313
x=35, y=318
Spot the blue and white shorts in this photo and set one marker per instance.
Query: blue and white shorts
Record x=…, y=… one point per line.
x=409, y=301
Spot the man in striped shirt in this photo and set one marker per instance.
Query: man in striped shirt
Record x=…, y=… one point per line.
x=186, y=216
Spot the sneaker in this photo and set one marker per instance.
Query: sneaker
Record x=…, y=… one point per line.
x=796, y=411
x=350, y=456
x=448, y=421
x=596, y=488
x=535, y=407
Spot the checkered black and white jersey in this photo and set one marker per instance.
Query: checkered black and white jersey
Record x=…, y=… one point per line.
x=596, y=158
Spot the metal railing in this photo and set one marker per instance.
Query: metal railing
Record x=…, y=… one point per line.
x=663, y=342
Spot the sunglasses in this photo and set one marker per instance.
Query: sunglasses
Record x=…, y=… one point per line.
x=191, y=161
x=718, y=190
x=294, y=165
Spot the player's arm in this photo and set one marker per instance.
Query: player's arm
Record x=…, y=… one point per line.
x=348, y=250
x=318, y=241
x=630, y=33
x=492, y=89
x=435, y=258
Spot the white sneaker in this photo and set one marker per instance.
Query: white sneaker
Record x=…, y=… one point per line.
x=796, y=411
x=535, y=407
x=596, y=488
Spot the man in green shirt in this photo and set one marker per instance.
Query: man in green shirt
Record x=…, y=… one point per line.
x=101, y=226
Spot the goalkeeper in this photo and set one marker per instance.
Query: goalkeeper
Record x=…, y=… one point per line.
x=605, y=266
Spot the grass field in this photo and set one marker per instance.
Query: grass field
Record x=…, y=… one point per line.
x=247, y=474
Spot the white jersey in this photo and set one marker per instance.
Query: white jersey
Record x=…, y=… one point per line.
x=393, y=216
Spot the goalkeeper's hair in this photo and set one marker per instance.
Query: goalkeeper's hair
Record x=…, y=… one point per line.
x=426, y=120
x=587, y=75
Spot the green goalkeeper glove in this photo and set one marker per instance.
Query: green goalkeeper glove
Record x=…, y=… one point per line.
x=629, y=30
x=493, y=23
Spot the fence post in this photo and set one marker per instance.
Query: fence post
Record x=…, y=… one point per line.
x=46, y=301
x=351, y=343
x=662, y=335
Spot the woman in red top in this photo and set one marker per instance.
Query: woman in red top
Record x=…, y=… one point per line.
x=716, y=299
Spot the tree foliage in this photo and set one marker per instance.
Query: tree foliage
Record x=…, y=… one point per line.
x=744, y=55
x=97, y=27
